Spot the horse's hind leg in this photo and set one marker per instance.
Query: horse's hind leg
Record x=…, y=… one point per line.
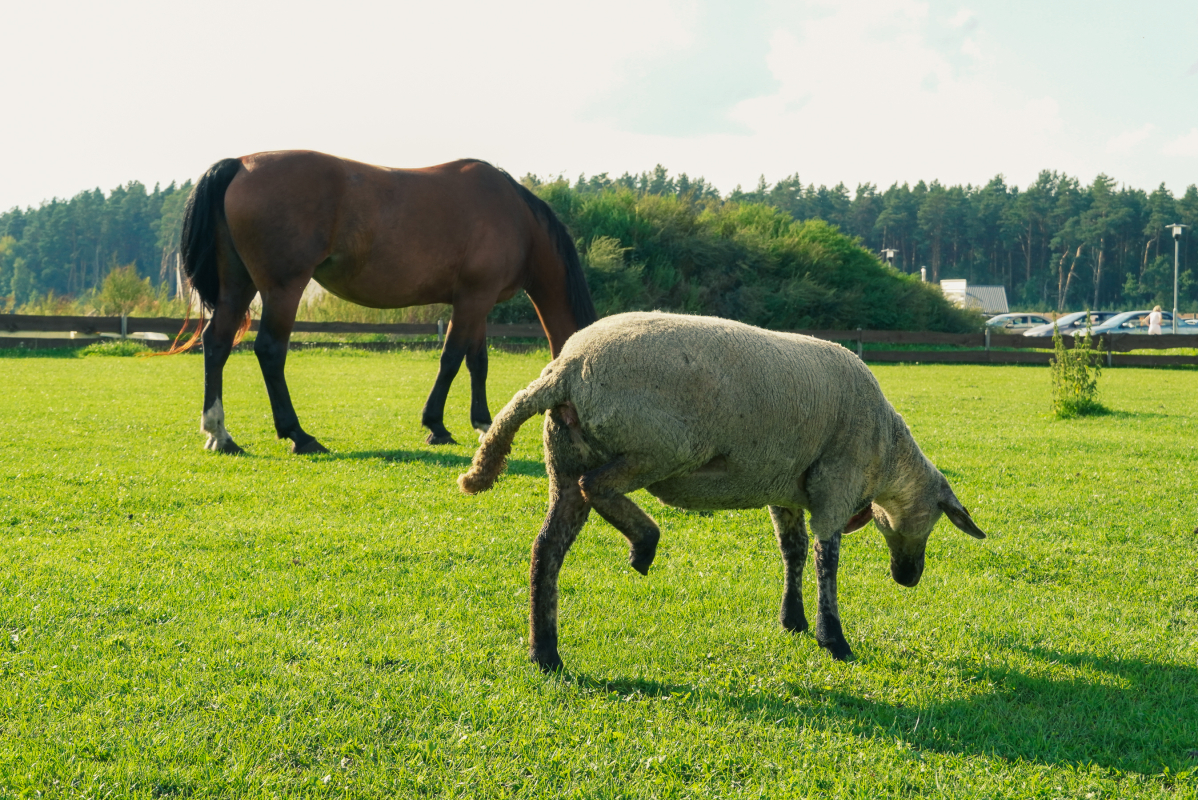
x=274, y=334
x=466, y=338
x=234, y=300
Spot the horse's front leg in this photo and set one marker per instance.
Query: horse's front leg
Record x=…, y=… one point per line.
x=476, y=362
x=274, y=336
x=467, y=334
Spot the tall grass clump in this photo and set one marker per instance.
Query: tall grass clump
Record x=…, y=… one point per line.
x=124, y=291
x=321, y=306
x=1075, y=373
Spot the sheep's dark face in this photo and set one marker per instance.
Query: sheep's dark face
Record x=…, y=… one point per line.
x=906, y=527
x=907, y=538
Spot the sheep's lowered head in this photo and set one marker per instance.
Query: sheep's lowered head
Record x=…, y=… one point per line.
x=907, y=521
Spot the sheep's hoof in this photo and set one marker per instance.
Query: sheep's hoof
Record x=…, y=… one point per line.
x=308, y=448
x=838, y=649
x=548, y=662
x=641, y=560
x=440, y=438
x=830, y=637
x=794, y=620
x=644, y=551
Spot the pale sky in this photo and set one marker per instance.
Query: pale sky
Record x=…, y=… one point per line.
x=98, y=94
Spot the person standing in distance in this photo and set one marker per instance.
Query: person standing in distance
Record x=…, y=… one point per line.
x=1154, y=321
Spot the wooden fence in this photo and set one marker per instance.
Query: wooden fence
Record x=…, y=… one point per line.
x=972, y=348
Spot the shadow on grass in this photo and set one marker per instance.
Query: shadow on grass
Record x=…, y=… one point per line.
x=515, y=466
x=1129, y=715
x=39, y=352
x=1115, y=414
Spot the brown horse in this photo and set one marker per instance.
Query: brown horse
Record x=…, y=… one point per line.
x=463, y=233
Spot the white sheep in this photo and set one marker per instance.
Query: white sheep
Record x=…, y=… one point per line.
x=707, y=413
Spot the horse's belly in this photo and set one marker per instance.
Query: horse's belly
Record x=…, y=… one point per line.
x=376, y=288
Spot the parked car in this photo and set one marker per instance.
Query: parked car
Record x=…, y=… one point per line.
x=1137, y=322
x=1015, y=322
x=1073, y=324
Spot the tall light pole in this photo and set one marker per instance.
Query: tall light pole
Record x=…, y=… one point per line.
x=1177, y=229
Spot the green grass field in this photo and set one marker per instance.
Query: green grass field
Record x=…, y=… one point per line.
x=179, y=624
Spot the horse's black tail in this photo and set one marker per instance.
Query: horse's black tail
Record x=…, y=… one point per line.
x=197, y=246
x=579, y=296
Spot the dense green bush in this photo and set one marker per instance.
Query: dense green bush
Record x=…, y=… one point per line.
x=743, y=261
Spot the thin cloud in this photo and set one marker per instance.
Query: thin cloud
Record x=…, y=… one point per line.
x=1193, y=70
x=1127, y=141
x=964, y=19
x=903, y=107
x=1186, y=145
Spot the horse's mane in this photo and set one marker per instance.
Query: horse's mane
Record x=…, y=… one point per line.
x=582, y=307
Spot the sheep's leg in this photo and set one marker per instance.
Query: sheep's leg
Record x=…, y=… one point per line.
x=792, y=539
x=638, y=528
x=604, y=488
x=568, y=512
x=827, y=624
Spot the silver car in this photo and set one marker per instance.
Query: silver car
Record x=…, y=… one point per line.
x=1137, y=322
x=1073, y=324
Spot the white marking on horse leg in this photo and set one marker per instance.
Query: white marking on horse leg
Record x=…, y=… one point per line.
x=482, y=430
x=212, y=422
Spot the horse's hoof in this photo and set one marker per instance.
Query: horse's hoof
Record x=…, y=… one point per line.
x=308, y=448
x=440, y=438
x=228, y=447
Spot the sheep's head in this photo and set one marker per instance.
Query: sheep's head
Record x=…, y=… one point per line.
x=907, y=521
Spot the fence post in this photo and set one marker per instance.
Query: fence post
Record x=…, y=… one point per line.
x=859, y=343
x=440, y=333
x=987, y=340
x=124, y=326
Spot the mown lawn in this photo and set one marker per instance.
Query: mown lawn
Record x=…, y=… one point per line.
x=181, y=624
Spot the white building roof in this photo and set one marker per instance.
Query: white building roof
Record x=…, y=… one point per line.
x=987, y=299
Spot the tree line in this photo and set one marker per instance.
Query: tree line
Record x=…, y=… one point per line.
x=672, y=241
x=68, y=247
x=1053, y=245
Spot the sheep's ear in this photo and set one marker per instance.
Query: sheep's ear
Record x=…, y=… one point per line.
x=959, y=516
x=860, y=519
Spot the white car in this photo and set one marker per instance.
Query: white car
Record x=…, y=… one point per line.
x=1016, y=322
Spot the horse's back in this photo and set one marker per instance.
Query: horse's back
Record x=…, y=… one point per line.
x=358, y=227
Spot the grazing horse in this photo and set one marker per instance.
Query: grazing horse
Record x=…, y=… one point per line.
x=462, y=233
